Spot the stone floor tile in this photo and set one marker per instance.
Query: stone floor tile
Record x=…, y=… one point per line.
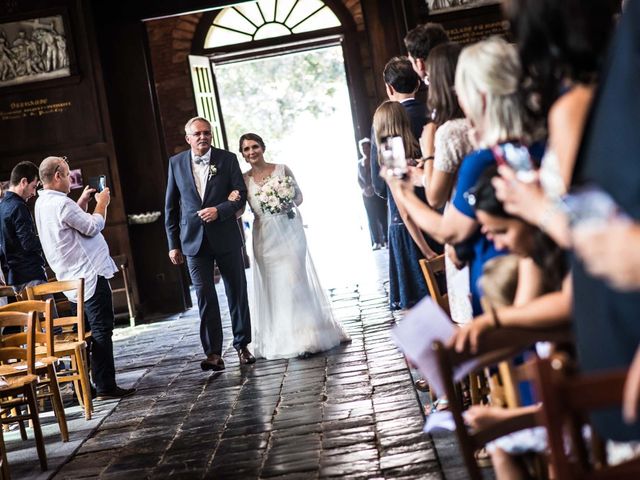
x=351, y=412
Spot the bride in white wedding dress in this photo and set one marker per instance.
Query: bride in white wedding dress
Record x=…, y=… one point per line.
x=291, y=315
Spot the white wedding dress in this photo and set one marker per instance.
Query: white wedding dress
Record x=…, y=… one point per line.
x=290, y=313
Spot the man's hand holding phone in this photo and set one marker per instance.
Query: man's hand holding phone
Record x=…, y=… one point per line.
x=103, y=197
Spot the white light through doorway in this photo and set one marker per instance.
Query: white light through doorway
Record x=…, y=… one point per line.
x=320, y=150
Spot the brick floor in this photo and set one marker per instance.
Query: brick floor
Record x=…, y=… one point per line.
x=351, y=412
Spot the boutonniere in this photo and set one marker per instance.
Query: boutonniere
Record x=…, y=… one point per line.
x=212, y=171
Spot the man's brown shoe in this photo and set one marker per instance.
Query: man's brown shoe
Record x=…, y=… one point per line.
x=212, y=362
x=245, y=356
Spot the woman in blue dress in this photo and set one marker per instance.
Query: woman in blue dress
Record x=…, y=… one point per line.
x=407, y=244
x=486, y=82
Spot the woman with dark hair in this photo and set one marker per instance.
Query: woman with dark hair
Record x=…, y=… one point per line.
x=445, y=142
x=511, y=233
x=443, y=150
x=551, y=308
x=291, y=314
x=515, y=235
x=407, y=244
x=486, y=83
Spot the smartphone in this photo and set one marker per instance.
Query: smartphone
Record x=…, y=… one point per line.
x=98, y=183
x=393, y=156
x=516, y=157
x=590, y=206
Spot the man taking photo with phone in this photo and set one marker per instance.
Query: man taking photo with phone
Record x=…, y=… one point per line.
x=75, y=248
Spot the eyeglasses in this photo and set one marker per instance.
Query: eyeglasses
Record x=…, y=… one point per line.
x=204, y=133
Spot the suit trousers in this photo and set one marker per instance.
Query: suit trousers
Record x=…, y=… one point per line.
x=231, y=265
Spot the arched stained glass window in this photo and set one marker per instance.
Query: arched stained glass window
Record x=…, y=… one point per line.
x=268, y=19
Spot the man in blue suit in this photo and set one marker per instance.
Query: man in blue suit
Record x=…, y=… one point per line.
x=201, y=224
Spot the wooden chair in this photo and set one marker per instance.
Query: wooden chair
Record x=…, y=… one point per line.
x=435, y=276
x=567, y=398
x=434, y=271
x=17, y=355
x=72, y=341
x=494, y=346
x=45, y=369
x=503, y=385
x=7, y=291
x=123, y=265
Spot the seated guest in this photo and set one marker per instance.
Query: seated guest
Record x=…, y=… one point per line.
x=486, y=83
x=75, y=248
x=514, y=234
x=18, y=237
x=524, y=240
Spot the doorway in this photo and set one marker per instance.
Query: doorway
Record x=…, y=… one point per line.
x=299, y=104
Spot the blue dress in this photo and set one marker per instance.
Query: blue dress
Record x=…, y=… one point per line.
x=407, y=285
x=470, y=171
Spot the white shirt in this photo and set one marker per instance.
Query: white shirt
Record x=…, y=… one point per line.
x=201, y=172
x=72, y=242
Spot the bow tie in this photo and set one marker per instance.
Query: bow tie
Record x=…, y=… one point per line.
x=201, y=160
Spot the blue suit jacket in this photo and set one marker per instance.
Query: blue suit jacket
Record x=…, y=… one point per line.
x=184, y=227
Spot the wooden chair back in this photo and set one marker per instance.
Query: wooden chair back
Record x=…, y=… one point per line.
x=20, y=387
x=567, y=398
x=435, y=275
x=494, y=346
x=504, y=385
x=69, y=323
x=19, y=346
x=44, y=320
x=7, y=291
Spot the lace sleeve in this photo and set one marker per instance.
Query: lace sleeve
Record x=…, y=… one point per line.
x=451, y=145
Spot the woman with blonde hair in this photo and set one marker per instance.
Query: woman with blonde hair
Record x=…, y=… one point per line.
x=486, y=81
x=407, y=244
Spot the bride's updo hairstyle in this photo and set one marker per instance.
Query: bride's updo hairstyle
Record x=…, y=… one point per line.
x=251, y=136
x=487, y=83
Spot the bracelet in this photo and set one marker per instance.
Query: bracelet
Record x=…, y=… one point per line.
x=430, y=157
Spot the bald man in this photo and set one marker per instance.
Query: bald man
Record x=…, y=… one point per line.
x=75, y=248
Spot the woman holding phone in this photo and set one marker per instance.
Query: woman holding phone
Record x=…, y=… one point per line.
x=407, y=244
x=486, y=82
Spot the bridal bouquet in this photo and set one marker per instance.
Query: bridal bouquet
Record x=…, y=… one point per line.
x=277, y=194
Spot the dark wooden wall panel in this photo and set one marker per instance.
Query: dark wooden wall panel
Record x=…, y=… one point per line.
x=80, y=129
